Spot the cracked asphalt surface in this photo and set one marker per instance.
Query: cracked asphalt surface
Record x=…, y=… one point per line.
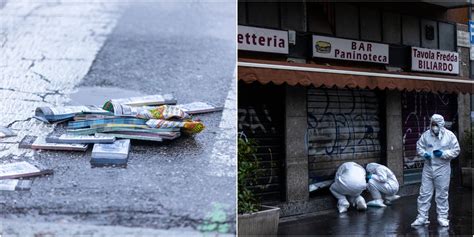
x=182, y=48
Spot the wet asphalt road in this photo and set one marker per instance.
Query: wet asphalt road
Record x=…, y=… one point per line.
x=182, y=48
x=394, y=220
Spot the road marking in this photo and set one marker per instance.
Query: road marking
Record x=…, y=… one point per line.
x=223, y=156
x=46, y=48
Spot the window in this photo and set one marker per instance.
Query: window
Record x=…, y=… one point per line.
x=293, y=16
x=429, y=34
x=370, y=25
x=446, y=36
x=320, y=17
x=242, y=18
x=264, y=14
x=392, y=28
x=411, y=31
x=344, y=27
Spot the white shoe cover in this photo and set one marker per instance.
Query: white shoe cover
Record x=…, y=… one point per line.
x=443, y=222
x=342, y=205
x=342, y=209
x=376, y=203
x=360, y=203
x=420, y=221
x=392, y=198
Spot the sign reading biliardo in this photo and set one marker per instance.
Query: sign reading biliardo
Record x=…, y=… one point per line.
x=352, y=50
x=262, y=40
x=433, y=60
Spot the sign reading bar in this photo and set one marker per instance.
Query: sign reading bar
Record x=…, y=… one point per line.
x=352, y=50
x=433, y=60
x=262, y=40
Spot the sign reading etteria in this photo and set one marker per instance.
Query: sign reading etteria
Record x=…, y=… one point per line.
x=352, y=50
x=262, y=40
x=432, y=60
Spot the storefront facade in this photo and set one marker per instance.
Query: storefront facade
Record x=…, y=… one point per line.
x=321, y=84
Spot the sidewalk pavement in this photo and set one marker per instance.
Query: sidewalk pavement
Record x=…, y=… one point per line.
x=391, y=221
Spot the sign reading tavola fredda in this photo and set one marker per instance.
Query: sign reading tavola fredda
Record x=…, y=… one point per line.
x=432, y=60
x=262, y=40
x=352, y=50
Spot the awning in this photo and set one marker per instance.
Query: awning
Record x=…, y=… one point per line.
x=343, y=77
x=450, y=4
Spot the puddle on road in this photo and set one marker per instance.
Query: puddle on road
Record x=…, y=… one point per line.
x=99, y=95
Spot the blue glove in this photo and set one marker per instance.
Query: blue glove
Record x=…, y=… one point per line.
x=369, y=176
x=427, y=156
x=437, y=153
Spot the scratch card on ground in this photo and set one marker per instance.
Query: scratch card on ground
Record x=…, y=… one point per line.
x=21, y=169
x=199, y=108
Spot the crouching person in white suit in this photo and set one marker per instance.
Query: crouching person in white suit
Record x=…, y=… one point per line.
x=382, y=181
x=349, y=183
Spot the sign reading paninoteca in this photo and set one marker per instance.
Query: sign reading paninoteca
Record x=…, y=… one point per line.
x=352, y=50
x=262, y=40
x=433, y=60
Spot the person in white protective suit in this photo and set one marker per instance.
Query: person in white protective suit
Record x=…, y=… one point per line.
x=350, y=182
x=381, y=181
x=438, y=146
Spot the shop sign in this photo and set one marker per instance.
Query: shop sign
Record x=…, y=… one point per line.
x=463, y=39
x=351, y=50
x=262, y=40
x=471, y=30
x=432, y=60
x=471, y=57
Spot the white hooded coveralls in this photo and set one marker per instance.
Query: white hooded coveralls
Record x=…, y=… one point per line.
x=382, y=181
x=437, y=170
x=349, y=181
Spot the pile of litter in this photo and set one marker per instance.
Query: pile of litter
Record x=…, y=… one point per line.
x=150, y=118
x=153, y=118
x=9, y=174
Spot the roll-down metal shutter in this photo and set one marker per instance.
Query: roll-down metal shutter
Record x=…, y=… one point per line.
x=343, y=125
x=417, y=109
x=261, y=118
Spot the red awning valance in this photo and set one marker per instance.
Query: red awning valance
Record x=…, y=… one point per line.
x=343, y=77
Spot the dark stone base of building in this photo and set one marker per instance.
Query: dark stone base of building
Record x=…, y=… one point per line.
x=325, y=201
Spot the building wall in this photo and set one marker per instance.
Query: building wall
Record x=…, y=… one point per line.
x=464, y=54
x=393, y=121
x=458, y=15
x=390, y=23
x=464, y=102
x=296, y=155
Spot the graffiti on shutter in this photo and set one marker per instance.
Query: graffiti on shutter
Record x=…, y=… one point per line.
x=260, y=118
x=343, y=125
x=417, y=109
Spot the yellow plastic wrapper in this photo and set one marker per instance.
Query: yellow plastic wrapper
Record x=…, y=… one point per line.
x=168, y=112
x=187, y=126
